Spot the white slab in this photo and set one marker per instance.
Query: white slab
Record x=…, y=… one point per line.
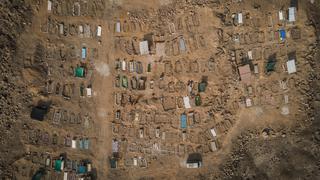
x=99, y=31
x=292, y=14
x=286, y=99
x=240, y=20
x=81, y=29
x=285, y=110
x=123, y=65
x=65, y=176
x=89, y=92
x=250, y=55
x=213, y=132
x=186, y=102
x=256, y=69
x=89, y=168
x=213, y=146
x=192, y=165
x=248, y=102
x=135, y=161
x=281, y=17
x=118, y=27
x=144, y=49
x=74, y=144
x=291, y=65
x=62, y=165
x=61, y=28
x=49, y=5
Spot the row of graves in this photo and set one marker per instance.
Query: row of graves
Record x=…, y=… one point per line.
x=61, y=166
x=265, y=52
x=69, y=69
x=148, y=122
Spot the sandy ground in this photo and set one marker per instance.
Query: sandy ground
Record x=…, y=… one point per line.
x=250, y=139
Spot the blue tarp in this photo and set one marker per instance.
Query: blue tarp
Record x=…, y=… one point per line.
x=81, y=169
x=183, y=120
x=84, y=52
x=282, y=34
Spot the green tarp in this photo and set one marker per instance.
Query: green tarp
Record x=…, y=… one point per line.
x=202, y=86
x=57, y=165
x=198, y=100
x=79, y=72
x=124, y=82
x=270, y=66
x=113, y=163
x=271, y=63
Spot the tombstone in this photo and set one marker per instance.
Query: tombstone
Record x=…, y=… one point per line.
x=56, y=117
x=54, y=139
x=118, y=27
x=49, y=6
x=50, y=86
x=76, y=9
x=182, y=45
x=68, y=141
x=141, y=133
x=87, y=31
x=61, y=29
x=99, y=31
x=81, y=31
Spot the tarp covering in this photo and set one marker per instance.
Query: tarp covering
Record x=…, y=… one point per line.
x=38, y=113
x=282, y=34
x=183, y=120
x=81, y=170
x=113, y=163
x=202, y=86
x=79, y=72
x=84, y=52
x=271, y=63
x=39, y=174
x=270, y=66
x=57, y=165
x=124, y=81
x=194, y=158
x=198, y=100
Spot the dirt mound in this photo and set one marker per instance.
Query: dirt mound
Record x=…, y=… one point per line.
x=14, y=16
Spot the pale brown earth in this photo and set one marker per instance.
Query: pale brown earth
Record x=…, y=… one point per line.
x=289, y=150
